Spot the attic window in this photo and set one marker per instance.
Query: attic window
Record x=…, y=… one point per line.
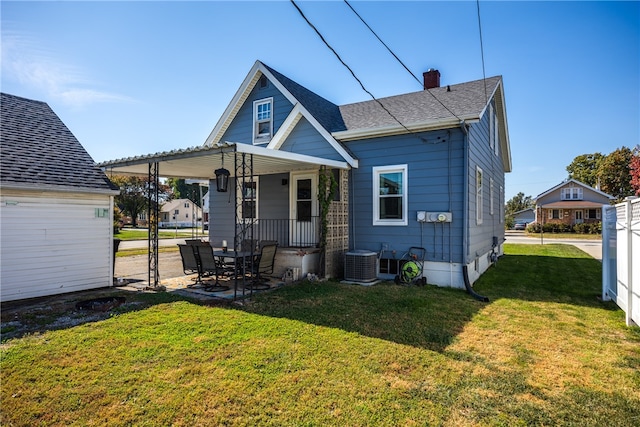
x=572, y=193
x=262, y=120
x=494, y=135
x=263, y=82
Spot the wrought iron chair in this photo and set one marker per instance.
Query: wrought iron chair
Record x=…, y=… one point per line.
x=263, y=266
x=210, y=266
x=190, y=262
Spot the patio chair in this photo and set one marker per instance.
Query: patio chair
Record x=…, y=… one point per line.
x=210, y=266
x=190, y=262
x=264, y=266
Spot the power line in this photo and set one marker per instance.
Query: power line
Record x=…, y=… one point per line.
x=346, y=66
x=402, y=63
x=383, y=43
x=484, y=76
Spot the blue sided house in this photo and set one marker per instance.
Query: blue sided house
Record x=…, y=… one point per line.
x=424, y=169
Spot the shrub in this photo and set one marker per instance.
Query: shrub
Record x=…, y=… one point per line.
x=533, y=227
x=582, y=228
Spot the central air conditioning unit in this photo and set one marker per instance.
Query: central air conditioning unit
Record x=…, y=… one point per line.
x=361, y=266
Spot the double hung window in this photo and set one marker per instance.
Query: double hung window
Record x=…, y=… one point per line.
x=572, y=193
x=250, y=200
x=262, y=121
x=555, y=213
x=593, y=213
x=390, y=195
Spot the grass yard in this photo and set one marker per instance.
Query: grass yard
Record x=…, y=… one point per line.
x=165, y=233
x=544, y=351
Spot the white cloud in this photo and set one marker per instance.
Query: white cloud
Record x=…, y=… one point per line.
x=25, y=62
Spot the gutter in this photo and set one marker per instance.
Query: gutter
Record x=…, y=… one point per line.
x=391, y=130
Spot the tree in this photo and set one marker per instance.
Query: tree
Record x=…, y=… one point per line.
x=516, y=204
x=182, y=190
x=615, y=175
x=634, y=170
x=133, y=197
x=584, y=168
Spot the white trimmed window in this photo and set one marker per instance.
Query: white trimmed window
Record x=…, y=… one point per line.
x=496, y=134
x=572, y=193
x=478, y=195
x=491, y=196
x=492, y=127
x=249, y=200
x=262, y=120
x=390, y=195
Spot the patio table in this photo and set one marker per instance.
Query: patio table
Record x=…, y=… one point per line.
x=239, y=258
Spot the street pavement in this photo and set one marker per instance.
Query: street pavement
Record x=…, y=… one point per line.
x=137, y=266
x=591, y=247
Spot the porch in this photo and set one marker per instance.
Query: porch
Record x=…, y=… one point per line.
x=285, y=183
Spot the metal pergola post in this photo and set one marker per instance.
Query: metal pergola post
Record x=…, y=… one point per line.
x=244, y=225
x=153, y=192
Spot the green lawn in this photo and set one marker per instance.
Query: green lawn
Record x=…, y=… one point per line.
x=133, y=234
x=544, y=351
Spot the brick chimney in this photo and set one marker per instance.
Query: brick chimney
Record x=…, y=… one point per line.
x=431, y=78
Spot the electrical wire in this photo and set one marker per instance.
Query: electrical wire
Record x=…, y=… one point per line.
x=484, y=76
x=402, y=63
x=347, y=66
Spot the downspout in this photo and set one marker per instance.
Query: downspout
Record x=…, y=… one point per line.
x=465, y=207
x=465, y=192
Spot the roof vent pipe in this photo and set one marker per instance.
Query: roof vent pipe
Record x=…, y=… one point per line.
x=431, y=78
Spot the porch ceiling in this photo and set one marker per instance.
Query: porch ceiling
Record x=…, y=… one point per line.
x=201, y=162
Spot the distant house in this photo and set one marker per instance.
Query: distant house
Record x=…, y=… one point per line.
x=571, y=202
x=526, y=215
x=56, y=207
x=180, y=213
x=423, y=169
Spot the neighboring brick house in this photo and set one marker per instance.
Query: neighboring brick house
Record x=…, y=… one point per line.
x=571, y=202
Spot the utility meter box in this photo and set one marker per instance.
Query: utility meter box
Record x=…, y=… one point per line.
x=439, y=216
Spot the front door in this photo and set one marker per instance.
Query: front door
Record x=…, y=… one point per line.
x=304, y=209
x=579, y=219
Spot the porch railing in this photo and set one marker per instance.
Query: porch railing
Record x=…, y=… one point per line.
x=287, y=232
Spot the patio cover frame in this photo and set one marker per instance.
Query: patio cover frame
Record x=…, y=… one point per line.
x=200, y=163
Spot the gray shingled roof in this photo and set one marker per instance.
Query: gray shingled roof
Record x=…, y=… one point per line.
x=37, y=150
x=464, y=100
x=325, y=112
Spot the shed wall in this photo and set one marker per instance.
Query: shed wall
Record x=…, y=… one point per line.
x=54, y=243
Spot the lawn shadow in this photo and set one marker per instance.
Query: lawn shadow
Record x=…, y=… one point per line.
x=37, y=315
x=431, y=317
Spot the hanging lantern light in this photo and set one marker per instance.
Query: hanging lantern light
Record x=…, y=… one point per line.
x=222, y=178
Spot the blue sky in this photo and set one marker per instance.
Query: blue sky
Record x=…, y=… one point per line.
x=132, y=78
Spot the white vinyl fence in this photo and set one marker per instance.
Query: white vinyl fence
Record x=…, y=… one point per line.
x=621, y=257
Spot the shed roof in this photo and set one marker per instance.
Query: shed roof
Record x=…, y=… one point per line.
x=40, y=152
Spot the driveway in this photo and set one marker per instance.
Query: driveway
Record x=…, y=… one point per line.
x=592, y=247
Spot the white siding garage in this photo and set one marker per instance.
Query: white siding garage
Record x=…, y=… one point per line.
x=56, y=207
x=54, y=243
